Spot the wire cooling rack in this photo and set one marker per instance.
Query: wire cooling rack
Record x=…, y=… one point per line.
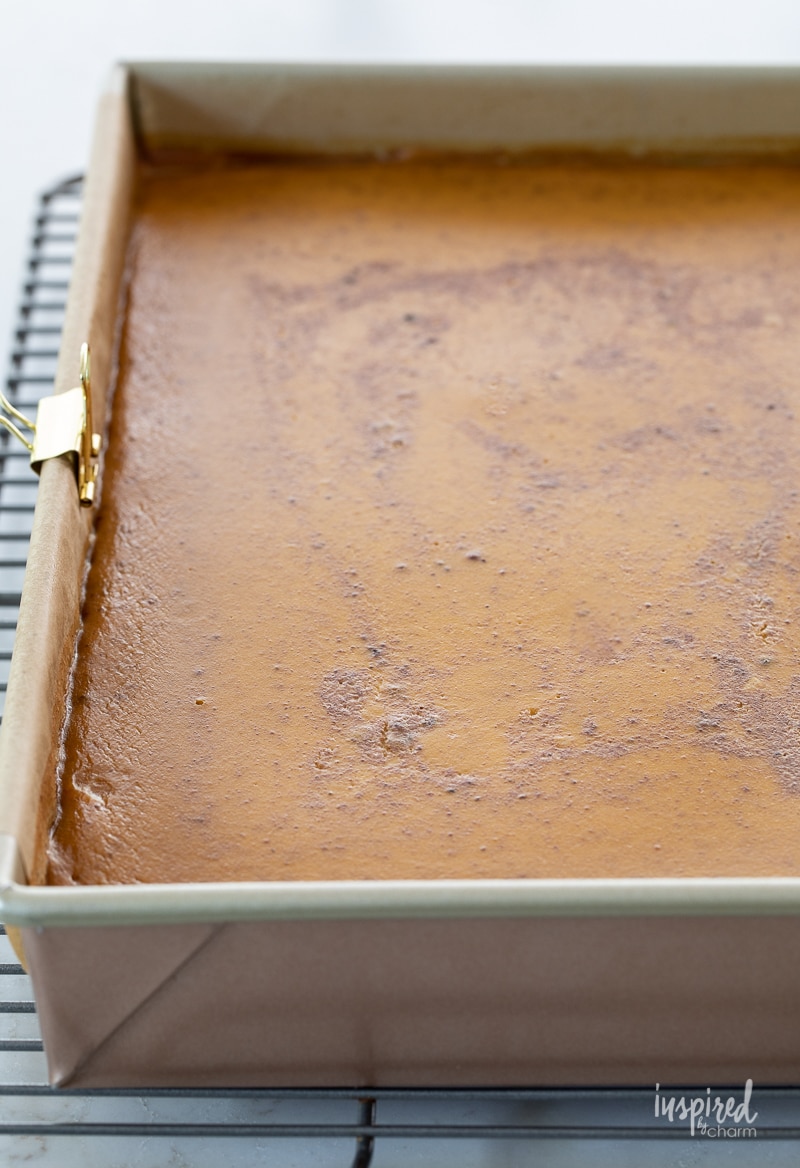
x=237, y=1128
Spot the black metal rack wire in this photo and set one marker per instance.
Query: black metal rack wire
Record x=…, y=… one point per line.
x=402, y=1119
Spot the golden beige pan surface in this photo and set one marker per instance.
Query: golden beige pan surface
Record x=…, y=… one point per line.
x=449, y=528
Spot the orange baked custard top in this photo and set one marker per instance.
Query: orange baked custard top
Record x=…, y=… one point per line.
x=449, y=527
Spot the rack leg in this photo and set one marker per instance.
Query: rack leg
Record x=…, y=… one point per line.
x=365, y=1144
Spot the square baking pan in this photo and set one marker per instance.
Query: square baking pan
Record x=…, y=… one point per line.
x=485, y=982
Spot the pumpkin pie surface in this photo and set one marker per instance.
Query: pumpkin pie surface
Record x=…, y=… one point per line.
x=449, y=527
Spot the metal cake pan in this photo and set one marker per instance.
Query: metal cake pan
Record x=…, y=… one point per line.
x=448, y=983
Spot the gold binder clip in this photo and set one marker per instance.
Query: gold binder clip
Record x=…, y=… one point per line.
x=63, y=426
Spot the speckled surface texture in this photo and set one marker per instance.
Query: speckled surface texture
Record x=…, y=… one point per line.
x=449, y=528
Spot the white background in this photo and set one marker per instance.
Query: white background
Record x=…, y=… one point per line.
x=56, y=54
